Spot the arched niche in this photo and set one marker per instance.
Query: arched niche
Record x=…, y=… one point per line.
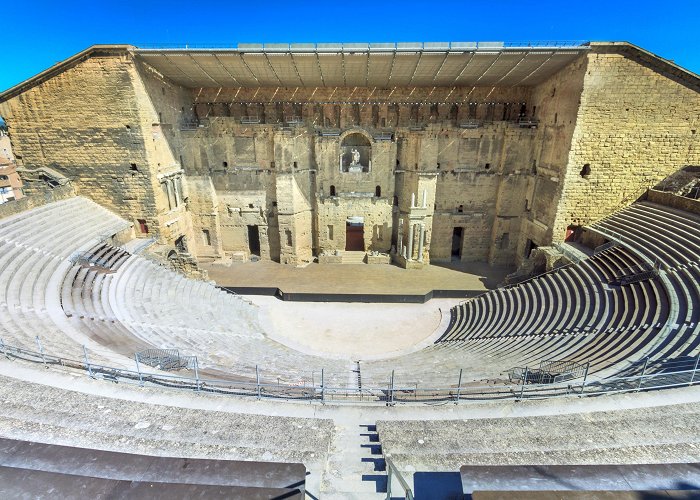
x=355, y=152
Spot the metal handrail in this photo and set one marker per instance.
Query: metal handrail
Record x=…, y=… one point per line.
x=391, y=394
x=392, y=470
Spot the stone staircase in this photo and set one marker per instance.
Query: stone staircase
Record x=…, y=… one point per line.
x=353, y=257
x=356, y=467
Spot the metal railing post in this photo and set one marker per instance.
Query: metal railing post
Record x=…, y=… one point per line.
x=257, y=381
x=641, y=377
x=585, y=376
x=323, y=388
x=522, y=387
x=196, y=373
x=41, y=350
x=391, y=388
x=138, y=368
x=459, y=385
x=695, y=369
x=87, y=361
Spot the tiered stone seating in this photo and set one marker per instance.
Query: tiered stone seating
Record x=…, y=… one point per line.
x=672, y=238
x=130, y=421
x=570, y=314
x=668, y=434
x=36, y=247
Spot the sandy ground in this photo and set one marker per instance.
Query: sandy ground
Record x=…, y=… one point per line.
x=352, y=330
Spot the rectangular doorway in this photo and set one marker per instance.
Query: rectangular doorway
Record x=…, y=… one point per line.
x=354, y=236
x=254, y=240
x=457, y=241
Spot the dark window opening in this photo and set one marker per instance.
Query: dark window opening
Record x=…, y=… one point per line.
x=143, y=226
x=332, y=190
x=133, y=166
x=160, y=117
x=457, y=240
x=127, y=127
x=274, y=203
x=250, y=205
x=288, y=235
x=438, y=166
x=295, y=164
x=487, y=166
x=586, y=170
x=378, y=191
x=556, y=117
x=398, y=163
x=460, y=209
x=206, y=237
x=225, y=164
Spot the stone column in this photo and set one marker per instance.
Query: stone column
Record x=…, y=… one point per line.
x=420, y=243
x=410, y=242
x=413, y=200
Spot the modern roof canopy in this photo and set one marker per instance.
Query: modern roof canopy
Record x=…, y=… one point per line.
x=382, y=65
x=362, y=64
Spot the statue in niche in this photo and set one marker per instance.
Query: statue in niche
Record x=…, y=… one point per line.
x=355, y=156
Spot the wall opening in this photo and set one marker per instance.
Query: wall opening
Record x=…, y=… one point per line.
x=254, y=240
x=457, y=240
x=206, y=237
x=487, y=166
x=529, y=247
x=355, y=235
x=133, y=167
x=332, y=190
x=143, y=226
x=181, y=244
x=330, y=232
x=288, y=237
x=460, y=209
x=586, y=171
x=378, y=191
x=225, y=164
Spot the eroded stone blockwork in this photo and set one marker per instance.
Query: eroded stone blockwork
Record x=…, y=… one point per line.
x=418, y=173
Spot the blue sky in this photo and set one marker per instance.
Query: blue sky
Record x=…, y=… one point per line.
x=36, y=35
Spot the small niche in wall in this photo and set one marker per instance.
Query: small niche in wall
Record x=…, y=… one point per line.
x=206, y=237
x=378, y=191
x=586, y=171
x=460, y=209
x=133, y=167
x=487, y=166
x=332, y=190
x=330, y=232
x=225, y=164
x=295, y=165
x=288, y=236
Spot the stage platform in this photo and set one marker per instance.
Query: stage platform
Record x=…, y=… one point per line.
x=357, y=282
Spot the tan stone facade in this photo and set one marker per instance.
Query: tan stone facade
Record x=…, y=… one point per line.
x=421, y=173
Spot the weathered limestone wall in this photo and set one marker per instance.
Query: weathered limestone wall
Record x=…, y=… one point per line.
x=555, y=104
x=86, y=124
x=635, y=126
